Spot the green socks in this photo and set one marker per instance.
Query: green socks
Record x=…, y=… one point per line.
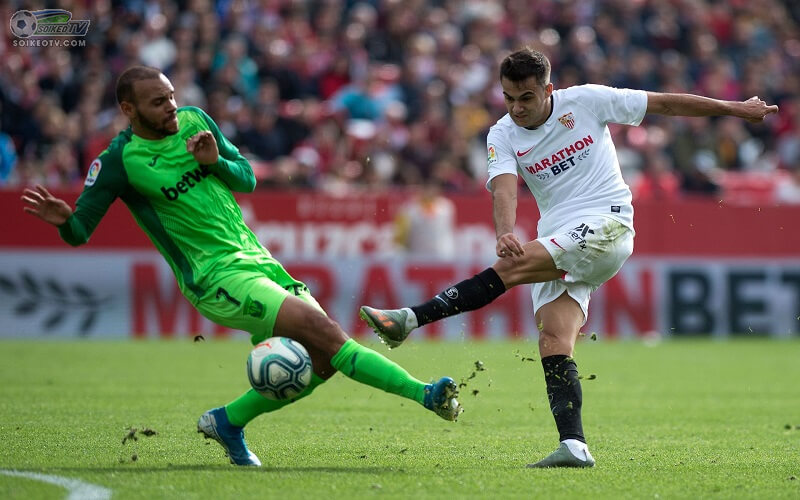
x=364, y=365
x=357, y=362
x=252, y=404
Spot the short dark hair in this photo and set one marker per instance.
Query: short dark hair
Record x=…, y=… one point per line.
x=124, y=89
x=525, y=63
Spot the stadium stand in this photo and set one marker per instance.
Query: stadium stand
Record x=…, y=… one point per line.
x=342, y=95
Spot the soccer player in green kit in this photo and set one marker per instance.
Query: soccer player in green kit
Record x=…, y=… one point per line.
x=176, y=172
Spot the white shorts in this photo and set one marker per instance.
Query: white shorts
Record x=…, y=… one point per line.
x=591, y=250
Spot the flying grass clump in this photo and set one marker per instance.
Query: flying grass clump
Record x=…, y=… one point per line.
x=478, y=367
x=523, y=358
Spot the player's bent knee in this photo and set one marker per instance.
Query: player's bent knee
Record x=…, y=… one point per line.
x=551, y=343
x=309, y=326
x=535, y=266
x=327, y=335
x=505, y=270
x=512, y=277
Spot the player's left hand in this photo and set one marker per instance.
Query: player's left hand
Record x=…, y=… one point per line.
x=508, y=245
x=754, y=109
x=203, y=147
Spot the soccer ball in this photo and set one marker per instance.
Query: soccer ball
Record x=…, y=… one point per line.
x=279, y=368
x=23, y=23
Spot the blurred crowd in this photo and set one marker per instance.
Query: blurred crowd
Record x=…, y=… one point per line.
x=342, y=94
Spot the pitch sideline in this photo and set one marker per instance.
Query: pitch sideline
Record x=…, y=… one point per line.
x=76, y=490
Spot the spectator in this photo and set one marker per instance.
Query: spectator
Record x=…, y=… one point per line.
x=367, y=99
x=787, y=188
x=8, y=159
x=265, y=138
x=157, y=49
x=425, y=226
x=658, y=180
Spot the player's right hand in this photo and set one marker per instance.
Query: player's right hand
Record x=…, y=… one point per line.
x=508, y=245
x=203, y=147
x=45, y=206
x=755, y=110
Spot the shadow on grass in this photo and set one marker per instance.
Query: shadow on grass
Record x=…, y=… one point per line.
x=221, y=467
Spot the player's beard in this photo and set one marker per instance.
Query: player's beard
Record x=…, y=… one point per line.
x=153, y=126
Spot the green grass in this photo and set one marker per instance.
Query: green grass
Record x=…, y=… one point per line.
x=680, y=419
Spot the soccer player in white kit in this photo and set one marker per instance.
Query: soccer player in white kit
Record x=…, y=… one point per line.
x=559, y=142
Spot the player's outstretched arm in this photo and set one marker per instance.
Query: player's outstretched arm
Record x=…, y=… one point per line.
x=42, y=204
x=753, y=110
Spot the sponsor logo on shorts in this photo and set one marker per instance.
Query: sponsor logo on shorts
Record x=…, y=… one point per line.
x=579, y=235
x=554, y=242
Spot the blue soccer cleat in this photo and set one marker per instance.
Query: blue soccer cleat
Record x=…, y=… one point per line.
x=440, y=397
x=214, y=424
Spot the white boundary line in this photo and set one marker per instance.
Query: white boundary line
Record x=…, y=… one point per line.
x=77, y=490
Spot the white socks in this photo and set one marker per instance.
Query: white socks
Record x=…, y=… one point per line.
x=577, y=448
x=411, y=319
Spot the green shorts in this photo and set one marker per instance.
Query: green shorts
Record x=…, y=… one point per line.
x=248, y=294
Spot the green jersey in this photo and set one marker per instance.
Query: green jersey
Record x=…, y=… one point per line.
x=187, y=210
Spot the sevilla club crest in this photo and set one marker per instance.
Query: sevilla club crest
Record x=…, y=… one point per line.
x=567, y=120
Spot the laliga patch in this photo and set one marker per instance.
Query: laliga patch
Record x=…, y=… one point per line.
x=492, y=154
x=94, y=171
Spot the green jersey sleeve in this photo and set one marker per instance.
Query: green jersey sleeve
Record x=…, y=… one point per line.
x=105, y=181
x=232, y=167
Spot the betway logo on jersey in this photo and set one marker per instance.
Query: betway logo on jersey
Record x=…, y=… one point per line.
x=561, y=160
x=187, y=182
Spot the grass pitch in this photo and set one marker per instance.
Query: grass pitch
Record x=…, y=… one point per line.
x=679, y=419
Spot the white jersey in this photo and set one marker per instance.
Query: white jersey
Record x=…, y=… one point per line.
x=569, y=162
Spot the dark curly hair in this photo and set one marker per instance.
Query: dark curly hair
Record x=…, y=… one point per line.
x=525, y=63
